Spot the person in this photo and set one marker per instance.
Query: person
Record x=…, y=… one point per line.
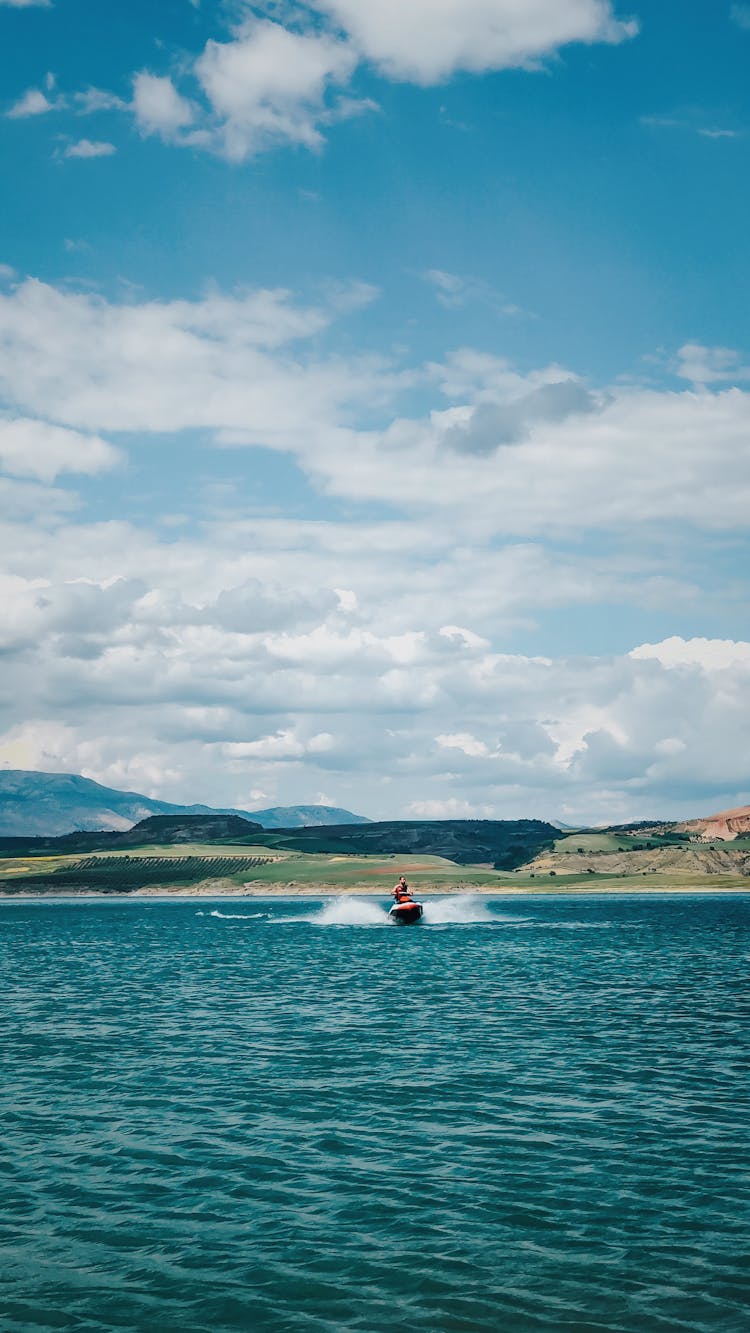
x=401, y=892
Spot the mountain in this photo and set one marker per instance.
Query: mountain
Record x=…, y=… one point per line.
x=48, y=804
x=305, y=816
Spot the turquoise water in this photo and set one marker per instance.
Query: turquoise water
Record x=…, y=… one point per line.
x=523, y=1115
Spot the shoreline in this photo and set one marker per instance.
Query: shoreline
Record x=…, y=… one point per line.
x=291, y=890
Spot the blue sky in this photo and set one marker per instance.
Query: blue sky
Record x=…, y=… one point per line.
x=374, y=419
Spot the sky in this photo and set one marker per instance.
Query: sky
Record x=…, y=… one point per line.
x=375, y=403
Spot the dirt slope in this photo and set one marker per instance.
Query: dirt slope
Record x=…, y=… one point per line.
x=661, y=860
x=726, y=826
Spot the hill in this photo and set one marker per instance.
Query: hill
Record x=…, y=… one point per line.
x=169, y=830
x=500, y=844
x=305, y=816
x=51, y=804
x=724, y=827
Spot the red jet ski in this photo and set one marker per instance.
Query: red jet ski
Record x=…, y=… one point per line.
x=406, y=912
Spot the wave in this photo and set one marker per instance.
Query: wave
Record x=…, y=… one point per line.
x=350, y=912
x=236, y=916
x=464, y=910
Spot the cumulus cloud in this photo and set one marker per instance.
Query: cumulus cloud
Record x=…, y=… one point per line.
x=269, y=84
x=709, y=654
x=283, y=82
x=158, y=107
x=365, y=658
x=709, y=365
x=273, y=83
x=164, y=365
x=33, y=103
x=42, y=451
x=451, y=808
x=594, y=739
x=493, y=424
x=514, y=454
x=425, y=41
x=282, y=745
x=230, y=654
x=90, y=148
x=611, y=468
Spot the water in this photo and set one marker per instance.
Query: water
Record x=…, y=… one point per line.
x=521, y=1115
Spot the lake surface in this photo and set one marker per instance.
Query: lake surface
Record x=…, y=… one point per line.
x=523, y=1115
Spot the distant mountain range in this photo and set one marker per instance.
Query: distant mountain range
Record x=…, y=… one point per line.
x=49, y=804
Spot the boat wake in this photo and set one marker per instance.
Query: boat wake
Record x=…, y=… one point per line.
x=461, y=910
x=236, y=916
x=350, y=912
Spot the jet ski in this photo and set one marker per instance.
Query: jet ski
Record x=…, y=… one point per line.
x=406, y=913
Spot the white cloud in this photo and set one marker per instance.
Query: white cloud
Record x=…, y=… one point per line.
x=98, y=99
x=89, y=148
x=708, y=654
x=511, y=454
x=426, y=41
x=451, y=808
x=36, y=745
x=164, y=365
x=450, y=288
x=691, y=121
x=281, y=746
x=33, y=103
x=269, y=85
x=607, y=469
x=283, y=82
x=466, y=637
x=158, y=107
x=228, y=655
x=465, y=742
x=40, y=450
x=366, y=659
x=709, y=365
x=708, y=133
x=27, y=4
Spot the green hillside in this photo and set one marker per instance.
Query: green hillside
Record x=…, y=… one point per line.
x=502, y=844
x=191, y=849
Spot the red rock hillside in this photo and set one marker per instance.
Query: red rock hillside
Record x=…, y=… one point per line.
x=725, y=827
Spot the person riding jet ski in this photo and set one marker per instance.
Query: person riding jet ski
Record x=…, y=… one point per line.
x=402, y=892
x=405, y=908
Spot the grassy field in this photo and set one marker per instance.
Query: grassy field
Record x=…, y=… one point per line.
x=606, y=842
x=594, y=842
x=640, y=883
x=205, y=868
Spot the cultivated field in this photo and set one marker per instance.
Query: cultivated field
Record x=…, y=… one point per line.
x=210, y=869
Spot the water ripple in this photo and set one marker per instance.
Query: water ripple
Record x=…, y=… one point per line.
x=215, y=1123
